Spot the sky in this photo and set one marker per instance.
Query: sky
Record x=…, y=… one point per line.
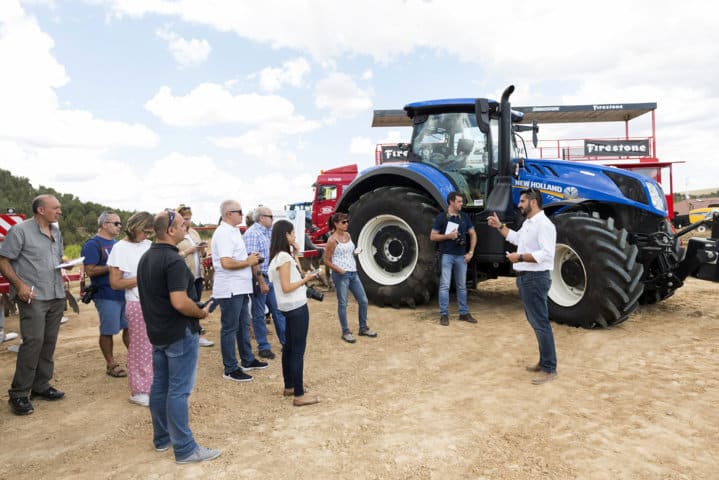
x=146, y=104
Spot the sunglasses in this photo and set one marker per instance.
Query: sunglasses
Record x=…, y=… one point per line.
x=236, y=211
x=117, y=224
x=344, y=222
x=170, y=218
x=268, y=216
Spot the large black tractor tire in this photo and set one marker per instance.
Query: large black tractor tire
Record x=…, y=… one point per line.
x=596, y=281
x=397, y=262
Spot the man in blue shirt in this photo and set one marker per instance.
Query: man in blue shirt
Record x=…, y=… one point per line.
x=451, y=230
x=110, y=304
x=257, y=239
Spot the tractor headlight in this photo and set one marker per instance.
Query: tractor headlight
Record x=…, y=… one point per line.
x=656, y=196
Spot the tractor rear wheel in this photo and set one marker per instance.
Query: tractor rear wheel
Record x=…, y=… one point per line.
x=397, y=261
x=596, y=281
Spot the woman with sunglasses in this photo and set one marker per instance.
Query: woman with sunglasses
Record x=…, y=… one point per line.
x=339, y=256
x=123, y=261
x=291, y=296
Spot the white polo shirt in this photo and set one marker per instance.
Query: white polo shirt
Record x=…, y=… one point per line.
x=227, y=242
x=537, y=236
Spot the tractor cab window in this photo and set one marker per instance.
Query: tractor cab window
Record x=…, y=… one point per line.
x=327, y=192
x=453, y=143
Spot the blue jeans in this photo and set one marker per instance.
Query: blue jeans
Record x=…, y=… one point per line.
x=533, y=289
x=258, y=317
x=350, y=281
x=293, y=352
x=453, y=264
x=235, y=319
x=174, y=368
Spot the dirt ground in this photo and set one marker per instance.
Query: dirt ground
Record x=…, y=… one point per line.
x=421, y=401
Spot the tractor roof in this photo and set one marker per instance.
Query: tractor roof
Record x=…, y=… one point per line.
x=598, y=112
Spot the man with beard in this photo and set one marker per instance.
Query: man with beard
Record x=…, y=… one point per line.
x=533, y=261
x=451, y=230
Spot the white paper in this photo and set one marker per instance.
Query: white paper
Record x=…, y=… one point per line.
x=71, y=263
x=451, y=227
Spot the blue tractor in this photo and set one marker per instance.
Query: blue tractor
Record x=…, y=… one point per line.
x=615, y=246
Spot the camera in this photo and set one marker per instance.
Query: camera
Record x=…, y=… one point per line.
x=213, y=304
x=314, y=294
x=88, y=294
x=461, y=241
x=260, y=259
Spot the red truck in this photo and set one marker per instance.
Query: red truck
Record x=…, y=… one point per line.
x=328, y=188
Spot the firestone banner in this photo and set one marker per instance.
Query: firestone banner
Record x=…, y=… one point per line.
x=616, y=148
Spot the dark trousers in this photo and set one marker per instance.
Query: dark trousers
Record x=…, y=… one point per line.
x=39, y=326
x=533, y=289
x=293, y=351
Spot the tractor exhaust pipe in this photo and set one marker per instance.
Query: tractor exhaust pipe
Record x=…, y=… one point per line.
x=505, y=134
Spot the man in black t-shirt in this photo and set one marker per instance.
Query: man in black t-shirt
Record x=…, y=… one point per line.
x=167, y=291
x=451, y=229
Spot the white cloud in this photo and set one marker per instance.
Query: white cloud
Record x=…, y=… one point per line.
x=367, y=74
x=30, y=113
x=291, y=73
x=213, y=104
x=362, y=146
x=339, y=94
x=188, y=53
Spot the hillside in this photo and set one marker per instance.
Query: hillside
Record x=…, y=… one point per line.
x=79, y=219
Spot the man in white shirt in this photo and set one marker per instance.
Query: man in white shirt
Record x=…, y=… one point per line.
x=231, y=289
x=533, y=261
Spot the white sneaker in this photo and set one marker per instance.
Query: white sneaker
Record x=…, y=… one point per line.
x=141, y=399
x=200, y=454
x=63, y=320
x=205, y=342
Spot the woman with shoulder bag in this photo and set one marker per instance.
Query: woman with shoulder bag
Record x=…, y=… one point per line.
x=292, y=302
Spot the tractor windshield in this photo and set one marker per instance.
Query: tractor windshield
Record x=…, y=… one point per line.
x=453, y=143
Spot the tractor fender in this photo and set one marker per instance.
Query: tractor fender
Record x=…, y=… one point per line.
x=413, y=175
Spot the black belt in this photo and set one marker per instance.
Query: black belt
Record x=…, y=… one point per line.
x=526, y=272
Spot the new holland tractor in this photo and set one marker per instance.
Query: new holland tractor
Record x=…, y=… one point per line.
x=615, y=246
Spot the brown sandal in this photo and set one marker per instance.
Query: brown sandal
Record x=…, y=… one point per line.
x=115, y=370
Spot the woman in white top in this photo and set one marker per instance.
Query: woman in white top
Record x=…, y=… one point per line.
x=123, y=260
x=292, y=302
x=339, y=256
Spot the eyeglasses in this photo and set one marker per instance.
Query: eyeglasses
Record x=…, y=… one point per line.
x=117, y=224
x=236, y=211
x=343, y=221
x=268, y=216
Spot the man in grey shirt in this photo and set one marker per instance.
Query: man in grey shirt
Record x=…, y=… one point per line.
x=29, y=258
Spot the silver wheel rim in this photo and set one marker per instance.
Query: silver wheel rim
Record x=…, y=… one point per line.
x=366, y=256
x=561, y=292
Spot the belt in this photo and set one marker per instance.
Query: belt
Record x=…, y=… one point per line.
x=521, y=273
